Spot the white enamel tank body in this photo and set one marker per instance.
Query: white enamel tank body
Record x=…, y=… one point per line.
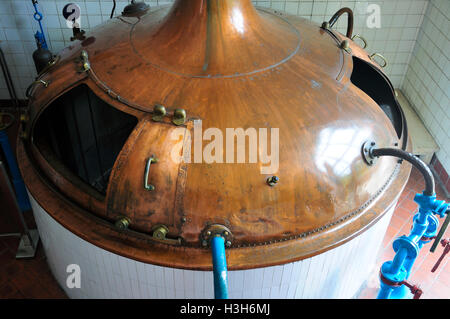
x=336, y=273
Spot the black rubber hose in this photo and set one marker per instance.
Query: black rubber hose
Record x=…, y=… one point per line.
x=414, y=160
x=113, y=9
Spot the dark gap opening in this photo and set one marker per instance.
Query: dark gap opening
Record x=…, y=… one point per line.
x=370, y=81
x=84, y=135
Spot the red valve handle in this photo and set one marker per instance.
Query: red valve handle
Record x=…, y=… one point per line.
x=415, y=290
x=446, y=244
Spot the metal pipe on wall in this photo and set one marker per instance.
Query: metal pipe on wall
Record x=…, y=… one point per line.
x=8, y=79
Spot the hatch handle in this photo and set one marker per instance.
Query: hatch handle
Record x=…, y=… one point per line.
x=32, y=85
x=385, y=62
x=358, y=36
x=336, y=17
x=151, y=160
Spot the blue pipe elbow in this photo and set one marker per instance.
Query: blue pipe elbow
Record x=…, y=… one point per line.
x=219, y=267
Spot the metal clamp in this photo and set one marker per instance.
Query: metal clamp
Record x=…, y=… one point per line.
x=85, y=64
x=32, y=85
x=160, y=234
x=380, y=56
x=122, y=223
x=358, y=36
x=217, y=230
x=151, y=160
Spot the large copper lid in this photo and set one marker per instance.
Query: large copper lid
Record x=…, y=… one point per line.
x=227, y=65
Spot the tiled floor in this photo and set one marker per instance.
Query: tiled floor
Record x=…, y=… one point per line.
x=33, y=279
x=25, y=278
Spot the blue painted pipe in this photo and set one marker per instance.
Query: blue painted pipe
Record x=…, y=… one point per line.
x=407, y=248
x=219, y=267
x=17, y=181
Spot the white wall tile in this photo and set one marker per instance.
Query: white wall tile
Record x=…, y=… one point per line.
x=426, y=82
x=397, y=16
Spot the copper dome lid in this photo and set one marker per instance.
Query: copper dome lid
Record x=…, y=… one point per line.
x=228, y=65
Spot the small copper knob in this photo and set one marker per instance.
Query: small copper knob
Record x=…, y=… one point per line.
x=345, y=45
x=159, y=112
x=273, y=180
x=179, y=117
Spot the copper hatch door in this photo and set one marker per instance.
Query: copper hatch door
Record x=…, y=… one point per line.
x=147, y=180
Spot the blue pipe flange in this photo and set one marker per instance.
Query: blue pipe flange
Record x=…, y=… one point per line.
x=218, y=237
x=405, y=242
x=216, y=230
x=395, y=278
